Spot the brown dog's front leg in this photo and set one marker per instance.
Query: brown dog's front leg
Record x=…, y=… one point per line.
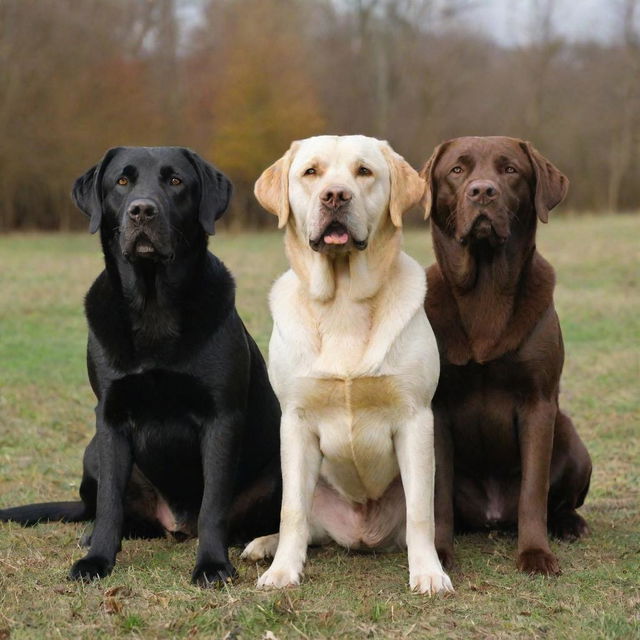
x=536, y=444
x=444, y=491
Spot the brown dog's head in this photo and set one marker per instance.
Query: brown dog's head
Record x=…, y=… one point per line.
x=480, y=188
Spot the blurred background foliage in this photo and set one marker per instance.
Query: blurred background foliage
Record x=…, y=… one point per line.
x=237, y=80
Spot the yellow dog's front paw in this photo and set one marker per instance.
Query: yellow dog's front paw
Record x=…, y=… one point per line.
x=430, y=583
x=275, y=578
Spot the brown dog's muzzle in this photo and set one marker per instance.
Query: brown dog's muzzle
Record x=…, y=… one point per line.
x=484, y=225
x=482, y=215
x=482, y=192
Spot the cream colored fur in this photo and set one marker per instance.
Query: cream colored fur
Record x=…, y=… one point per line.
x=354, y=363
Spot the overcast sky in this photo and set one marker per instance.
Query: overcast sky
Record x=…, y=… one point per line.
x=510, y=20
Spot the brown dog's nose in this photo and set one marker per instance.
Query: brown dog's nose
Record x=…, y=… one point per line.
x=142, y=209
x=335, y=196
x=482, y=191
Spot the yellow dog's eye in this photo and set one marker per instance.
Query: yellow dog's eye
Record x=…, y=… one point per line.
x=510, y=169
x=175, y=181
x=123, y=181
x=310, y=172
x=456, y=169
x=363, y=171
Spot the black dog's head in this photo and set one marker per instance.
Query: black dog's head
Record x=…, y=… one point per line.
x=153, y=200
x=480, y=188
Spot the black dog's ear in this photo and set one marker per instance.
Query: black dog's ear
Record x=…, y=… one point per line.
x=87, y=191
x=215, y=191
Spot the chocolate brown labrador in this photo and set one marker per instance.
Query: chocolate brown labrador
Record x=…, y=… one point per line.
x=505, y=452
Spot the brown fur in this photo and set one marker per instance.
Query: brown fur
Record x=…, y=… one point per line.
x=505, y=453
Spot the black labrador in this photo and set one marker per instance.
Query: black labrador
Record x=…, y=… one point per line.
x=187, y=425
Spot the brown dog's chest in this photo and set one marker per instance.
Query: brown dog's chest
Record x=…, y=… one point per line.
x=481, y=404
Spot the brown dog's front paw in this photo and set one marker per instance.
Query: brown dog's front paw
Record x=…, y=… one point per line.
x=445, y=554
x=568, y=526
x=539, y=561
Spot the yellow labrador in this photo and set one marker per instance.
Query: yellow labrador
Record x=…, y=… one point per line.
x=353, y=360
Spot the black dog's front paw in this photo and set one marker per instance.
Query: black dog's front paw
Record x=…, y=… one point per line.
x=88, y=569
x=213, y=574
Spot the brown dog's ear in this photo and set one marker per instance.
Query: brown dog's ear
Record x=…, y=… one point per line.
x=427, y=174
x=551, y=184
x=407, y=187
x=272, y=187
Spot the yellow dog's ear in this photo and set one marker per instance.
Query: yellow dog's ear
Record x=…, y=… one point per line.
x=407, y=187
x=551, y=184
x=272, y=187
x=427, y=173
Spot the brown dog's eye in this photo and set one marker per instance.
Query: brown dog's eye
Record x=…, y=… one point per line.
x=123, y=181
x=363, y=171
x=510, y=169
x=310, y=172
x=175, y=181
x=456, y=169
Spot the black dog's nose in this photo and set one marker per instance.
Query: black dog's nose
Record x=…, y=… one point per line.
x=142, y=209
x=335, y=196
x=482, y=191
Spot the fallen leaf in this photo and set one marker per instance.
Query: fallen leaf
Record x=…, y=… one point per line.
x=121, y=589
x=112, y=605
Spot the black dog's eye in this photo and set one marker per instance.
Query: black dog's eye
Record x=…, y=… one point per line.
x=123, y=181
x=510, y=169
x=363, y=171
x=456, y=169
x=310, y=172
x=175, y=181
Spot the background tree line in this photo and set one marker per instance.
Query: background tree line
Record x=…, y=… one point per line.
x=237, y=80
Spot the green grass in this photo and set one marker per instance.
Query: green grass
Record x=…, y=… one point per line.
x=46, y=413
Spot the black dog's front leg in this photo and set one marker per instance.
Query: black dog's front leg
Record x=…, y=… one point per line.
x=219, y=447
x=115, y=455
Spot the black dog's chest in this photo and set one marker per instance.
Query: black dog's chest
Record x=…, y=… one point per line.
x=162, y=413
x=156, y=395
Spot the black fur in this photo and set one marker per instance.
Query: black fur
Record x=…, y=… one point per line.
x=185, y=416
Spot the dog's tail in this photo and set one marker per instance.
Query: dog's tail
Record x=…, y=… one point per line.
x=31, y=514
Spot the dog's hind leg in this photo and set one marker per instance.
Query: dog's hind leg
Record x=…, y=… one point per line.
x=265, y=547
x=132, y=529
x=261, y=548
x=571, y=475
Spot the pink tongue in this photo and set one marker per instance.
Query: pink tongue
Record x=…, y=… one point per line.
x=336, y=238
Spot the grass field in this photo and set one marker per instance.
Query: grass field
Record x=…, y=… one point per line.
x=46, y=412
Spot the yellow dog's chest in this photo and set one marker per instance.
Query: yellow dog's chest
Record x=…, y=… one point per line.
x=355, y=420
